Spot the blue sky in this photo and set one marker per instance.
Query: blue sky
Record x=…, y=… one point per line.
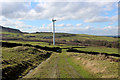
x=92, y=18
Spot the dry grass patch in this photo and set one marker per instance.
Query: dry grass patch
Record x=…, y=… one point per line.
x=99, y=65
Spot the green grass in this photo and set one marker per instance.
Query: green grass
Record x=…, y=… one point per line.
x=61, y=36
x=63, y=68
x=79, y=68
x=46, y=70
x=28, y=42
x=66, y=71
x=97, y=65
x=90, y=49
x=100, y=49
x=89, y=37
x=19, y=53
x=84, y=73
x=10, y=33
x=43, y=44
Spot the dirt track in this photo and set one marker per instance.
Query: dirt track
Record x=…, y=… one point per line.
x=57, y=66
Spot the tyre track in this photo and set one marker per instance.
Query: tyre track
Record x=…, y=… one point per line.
x=57, y=68
x=68, y=69
x=32, y=70
x=72, y=71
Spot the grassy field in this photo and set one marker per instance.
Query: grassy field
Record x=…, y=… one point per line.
x=59, y=65
x=99, y=49
x=98, y=65
x=62, y=39
x=71, y=36
x=81, y=48
x=20, y=60
x=29, y=42
x=45, y=70
x=61, y=36
x=10, y=53
x=72, y=68
x=75, y=65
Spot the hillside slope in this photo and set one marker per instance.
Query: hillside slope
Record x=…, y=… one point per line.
x=5, y=29
x=60, y=38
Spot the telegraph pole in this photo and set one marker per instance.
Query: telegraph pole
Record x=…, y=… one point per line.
x=53, y=20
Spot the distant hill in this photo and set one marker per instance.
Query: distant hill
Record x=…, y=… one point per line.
x=5, y=29
x=114, y=36
x=9, y=34
x=49, y=35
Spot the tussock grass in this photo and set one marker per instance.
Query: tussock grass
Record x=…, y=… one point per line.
x=97, y=65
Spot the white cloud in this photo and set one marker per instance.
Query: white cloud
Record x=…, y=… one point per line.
x=68, y=28
x=85, y=11
x=49, y=24
x=60, y=25
x=13, y=23
x=43, y=25
x=61, y=10
x=76, y=0
x=110, y=28
x=102, y=19
x=78, y=24
x=15, y=9
x=87, y=27
x=68, y=24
